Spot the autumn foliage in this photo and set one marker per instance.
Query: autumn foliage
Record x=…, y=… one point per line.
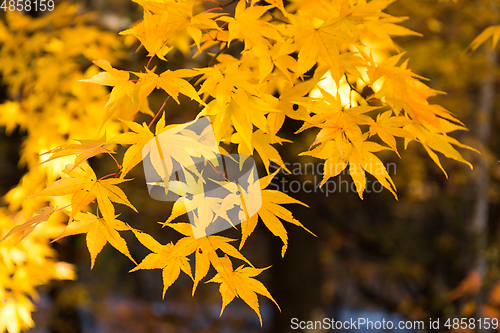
x=332, y=65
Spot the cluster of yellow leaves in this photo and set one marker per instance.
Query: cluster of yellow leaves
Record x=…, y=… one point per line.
x=288, y=54
x=41, y=65
x=328, y=39
x=26, y=265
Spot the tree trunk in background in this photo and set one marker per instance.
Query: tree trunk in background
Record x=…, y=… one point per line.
x=479, y=221
x=296, y=277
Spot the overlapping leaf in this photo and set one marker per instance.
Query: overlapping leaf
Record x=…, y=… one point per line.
x=83, y=185
x=100, y=231
x=241, y=283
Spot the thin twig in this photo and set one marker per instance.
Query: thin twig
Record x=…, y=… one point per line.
x=351, y=87
x=214, y=59
x=212, y=9
x=159, y=111
x=61, y=208
x=147, y=66
x=117, y=164
x=111, y=174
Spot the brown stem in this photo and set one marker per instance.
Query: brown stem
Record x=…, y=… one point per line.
x=109, y=175
x=117, y=164
x=159, y=111
x=147, y=66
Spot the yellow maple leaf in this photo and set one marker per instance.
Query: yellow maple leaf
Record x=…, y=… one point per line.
x=83, y=151
x=163, y=147
x=271, y=212
x=172, y=258
x=172, y=82
x=262, y=142
x=151, y=33
x=241, y=283
x=359, y=159
x=99, y=232
x=83, y=185
x=43, y=214
x=388, y=126
x=320, y=40
x=124, y=98
x=248, y=26
x=492, y=32
x=432, y=141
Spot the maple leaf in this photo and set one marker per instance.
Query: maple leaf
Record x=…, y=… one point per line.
x=151, y=33
x=174, y=258
x=247, y=200
x=388, y=126
x=385, y=24
x=322, y=41
x=99, y=232
x=172, y=82
x=277, y=3
x=271, y=212
x=237, y=102
x=247, y=26
x=241, y=283
x=161, y=24
x=359, y=159
x=201, y=268
x=400, y=87
x=432, y=140
x=43, y=214
x=85, y=188
x=83, y=151
x=293, y=95
x=124, y=98
x=203, y=21
x=335, y=122
x=175, y=145
x=138, y=137
x=262, y=143
x=111, y=76
x=194, y=199
x=187, y=245
x=178, y=209
x=492, y=32
x=240, y=110
x=161, y=259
